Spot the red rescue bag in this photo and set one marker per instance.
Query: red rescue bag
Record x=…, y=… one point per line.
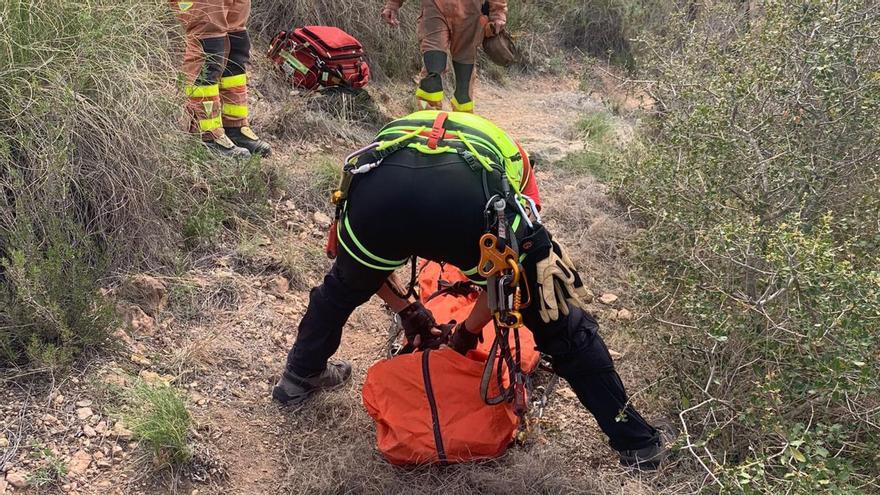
x=427, y=406
x=315, y=56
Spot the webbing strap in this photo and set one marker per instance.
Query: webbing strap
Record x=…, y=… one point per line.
x=437, y=130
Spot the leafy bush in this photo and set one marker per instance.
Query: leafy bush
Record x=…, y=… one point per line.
x=93, y=176
x=760, y=183
x=158, y=417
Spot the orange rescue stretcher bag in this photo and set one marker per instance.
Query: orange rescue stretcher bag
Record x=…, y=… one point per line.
x=320, y=56
x=427, y=406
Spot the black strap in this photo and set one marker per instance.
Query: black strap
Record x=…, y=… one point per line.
x=435, y=419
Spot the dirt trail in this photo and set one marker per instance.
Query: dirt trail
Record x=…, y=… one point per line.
x=228, y=350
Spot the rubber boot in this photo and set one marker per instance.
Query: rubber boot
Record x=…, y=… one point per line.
x=464, y=76
x=429, y=95
x=293, y=390
x=245, y=137
x=224, y=146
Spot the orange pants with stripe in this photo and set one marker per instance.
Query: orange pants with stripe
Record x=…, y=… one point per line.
x=214, y=63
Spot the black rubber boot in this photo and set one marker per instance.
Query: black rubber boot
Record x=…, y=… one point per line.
x=293, y=390
x=224, y=146
x=247, y=139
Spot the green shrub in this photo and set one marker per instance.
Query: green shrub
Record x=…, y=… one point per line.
x=158, y=417
x=51, y=309
x=759, y=185
x=595, y=126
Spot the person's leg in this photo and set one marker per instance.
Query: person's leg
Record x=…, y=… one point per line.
x=433, y=34
x=348, y=285
x=467, y=34
x=203, y=64
x=233, y=84
x=580, y=356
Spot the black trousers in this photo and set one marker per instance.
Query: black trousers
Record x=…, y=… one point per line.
x=431, y=206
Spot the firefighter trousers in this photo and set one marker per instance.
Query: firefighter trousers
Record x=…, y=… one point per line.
x=214, y=63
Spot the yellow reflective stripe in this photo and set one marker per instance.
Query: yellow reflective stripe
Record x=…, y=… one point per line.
x=206, y=125
x=203, y=91
x=233, y=110
x=366, y=251
x=357, y=258
x=233, y=81
x=432, y=97
x=462, y=107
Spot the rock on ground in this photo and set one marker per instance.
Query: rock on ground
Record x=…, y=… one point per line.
x=17, y=479
x=148, y=292
x=80, y=462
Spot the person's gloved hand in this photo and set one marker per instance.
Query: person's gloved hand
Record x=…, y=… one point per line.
x=389, y=13
x=557, y=281
x=418, y=325
x=463, y=340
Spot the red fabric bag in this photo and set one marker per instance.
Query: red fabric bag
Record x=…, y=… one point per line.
x=427, y=406
x=315, y=56
x=428, y=409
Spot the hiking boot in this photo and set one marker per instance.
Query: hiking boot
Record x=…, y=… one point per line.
x=645, y=459
x=224, y=146
x=293, y=390
x=247, y=139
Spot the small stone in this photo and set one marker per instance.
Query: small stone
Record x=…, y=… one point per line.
x=104, y=464
x=49, y=419
x=322, y=219
x=66, y=488
x=121, y=432
x=98, y=455
x=115, y=379
x=117, y=449
x=3, y=485
x=608, y=298
x=151, y=377
x=140, y=359
x=278, y=286
x=150, y=293
x=59, y=399
x=80, y=462
x=17, y=479
x=624, y=315
x=101, y=428
x=614, y=354
x=83, y=403
x=4, y=442
x=89, y=431
x=84, y=413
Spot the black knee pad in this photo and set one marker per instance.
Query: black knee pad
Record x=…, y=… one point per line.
x=215, y=61
x=239, y=53
x=574, y=344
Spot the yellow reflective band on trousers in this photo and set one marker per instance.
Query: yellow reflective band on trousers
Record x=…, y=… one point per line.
x=235, y=111
x=462, y=107
x=432, y=97
x=207, y=125
x=230, y=82
x=208, y=91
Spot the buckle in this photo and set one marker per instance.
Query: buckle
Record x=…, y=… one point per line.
x=471, y=160
x=437, y=131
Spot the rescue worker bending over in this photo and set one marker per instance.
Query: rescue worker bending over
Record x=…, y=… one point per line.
x=214, y=63
x=456, y=27
x=423, y=191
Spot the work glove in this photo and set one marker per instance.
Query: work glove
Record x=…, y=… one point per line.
x=389, y=13
x=463, y=340
x=420, y=329
x=557, y=282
